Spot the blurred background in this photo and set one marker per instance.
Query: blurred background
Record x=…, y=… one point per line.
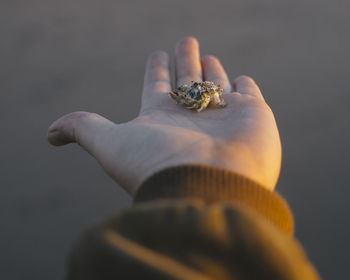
x=63, y=56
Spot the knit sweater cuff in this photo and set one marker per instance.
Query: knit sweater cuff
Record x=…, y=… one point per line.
x=214, y=185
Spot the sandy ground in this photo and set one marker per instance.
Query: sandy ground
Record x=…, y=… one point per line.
x=62, y=56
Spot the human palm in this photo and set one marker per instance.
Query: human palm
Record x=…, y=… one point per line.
x=242, y=137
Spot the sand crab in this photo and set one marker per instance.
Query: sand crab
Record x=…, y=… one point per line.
x=198, y=95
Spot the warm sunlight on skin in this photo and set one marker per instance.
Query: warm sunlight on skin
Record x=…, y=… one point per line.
x=241, y=137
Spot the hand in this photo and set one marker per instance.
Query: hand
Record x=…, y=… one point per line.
x=242, y=137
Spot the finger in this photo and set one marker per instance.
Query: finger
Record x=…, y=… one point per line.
x=214, y=72
x=157, y=75
x=84, y=128
x=246, y=85
x=187, y=60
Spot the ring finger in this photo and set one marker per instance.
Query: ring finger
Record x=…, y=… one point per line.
x=214, y=72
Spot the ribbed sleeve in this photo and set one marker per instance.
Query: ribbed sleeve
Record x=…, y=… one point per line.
x=214, y=185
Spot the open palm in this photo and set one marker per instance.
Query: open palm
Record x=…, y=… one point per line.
x=242, y=137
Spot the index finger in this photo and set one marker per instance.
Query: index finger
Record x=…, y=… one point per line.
x=157, y=76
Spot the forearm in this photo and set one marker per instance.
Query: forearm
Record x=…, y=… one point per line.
x=195, y=222
x=215, y=185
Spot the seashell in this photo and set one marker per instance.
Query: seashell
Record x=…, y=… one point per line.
x=198, y=95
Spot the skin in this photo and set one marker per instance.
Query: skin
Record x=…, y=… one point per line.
x=242, y=137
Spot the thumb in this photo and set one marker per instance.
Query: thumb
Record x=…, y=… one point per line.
x=81, y=127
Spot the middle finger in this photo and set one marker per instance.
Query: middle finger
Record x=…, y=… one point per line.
x=187, y=59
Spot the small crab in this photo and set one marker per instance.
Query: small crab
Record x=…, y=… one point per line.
x=198, y=95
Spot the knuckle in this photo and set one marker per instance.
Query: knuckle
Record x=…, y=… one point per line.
x=158, y=85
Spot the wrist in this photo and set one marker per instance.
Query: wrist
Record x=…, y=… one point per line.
x=212, y=185
x=239, y=162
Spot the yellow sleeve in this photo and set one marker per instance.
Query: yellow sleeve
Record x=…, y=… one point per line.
x=194, y=222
